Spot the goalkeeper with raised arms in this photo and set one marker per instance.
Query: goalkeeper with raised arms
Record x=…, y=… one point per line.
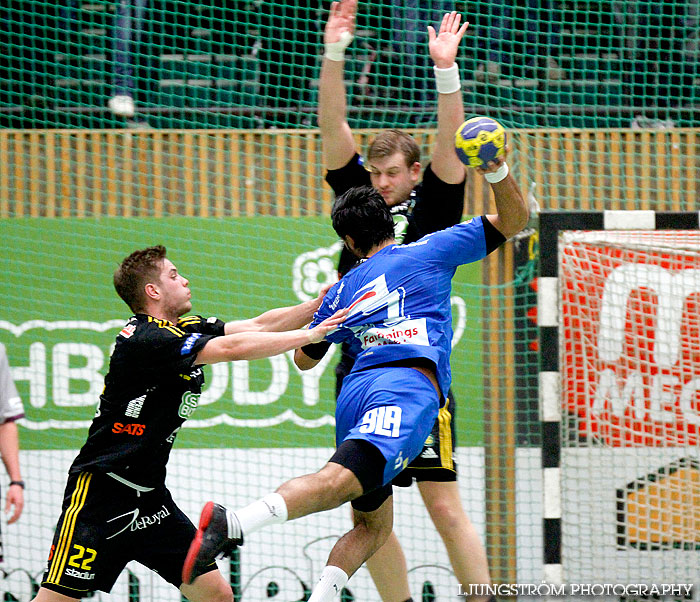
x=419, y=205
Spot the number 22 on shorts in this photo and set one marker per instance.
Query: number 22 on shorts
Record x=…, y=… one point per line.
x=88, y=554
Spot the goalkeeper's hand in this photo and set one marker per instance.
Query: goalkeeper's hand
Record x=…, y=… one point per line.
x=443, y=44
x=341, y=24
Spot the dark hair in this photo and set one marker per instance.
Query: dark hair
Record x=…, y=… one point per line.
x=362, y=214
x=135, y=272
x=391, y=141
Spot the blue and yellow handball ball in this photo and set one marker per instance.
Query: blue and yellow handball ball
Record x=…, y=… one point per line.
x=480, y=140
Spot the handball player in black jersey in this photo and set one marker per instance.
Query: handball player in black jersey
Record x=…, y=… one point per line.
x=116, y=506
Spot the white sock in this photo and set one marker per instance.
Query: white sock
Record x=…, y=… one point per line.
x=333, y=579
x=270, y=510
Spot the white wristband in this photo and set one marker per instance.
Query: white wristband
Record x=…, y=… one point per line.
x=496, y=176
x=335, y=51
x=447, y=80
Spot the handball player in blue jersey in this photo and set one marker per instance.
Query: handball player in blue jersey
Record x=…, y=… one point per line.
x=398, y=324
x=423, y=197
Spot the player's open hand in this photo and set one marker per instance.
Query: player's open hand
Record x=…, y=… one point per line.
x=443, y=44
x=341, y=22
x=319, y=332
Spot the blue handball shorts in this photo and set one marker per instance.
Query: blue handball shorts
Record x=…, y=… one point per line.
x=392, y=408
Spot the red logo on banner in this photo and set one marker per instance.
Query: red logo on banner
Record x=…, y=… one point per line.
x=631, y=342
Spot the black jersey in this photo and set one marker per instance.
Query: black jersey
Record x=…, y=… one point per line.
x=151, y=388
x=433, y=205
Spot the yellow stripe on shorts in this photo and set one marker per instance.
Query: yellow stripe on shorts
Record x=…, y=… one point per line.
x=444, y=419
x=58, y=562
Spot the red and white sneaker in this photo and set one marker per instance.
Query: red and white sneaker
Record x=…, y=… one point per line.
x=219, y=534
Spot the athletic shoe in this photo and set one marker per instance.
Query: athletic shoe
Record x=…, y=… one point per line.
x=122, y=105
x=216, y=536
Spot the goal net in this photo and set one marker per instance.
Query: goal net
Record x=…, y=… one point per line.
x=629, y=374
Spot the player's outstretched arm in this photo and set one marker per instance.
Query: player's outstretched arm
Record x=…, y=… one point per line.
x=443, y=46
x=336, y=136
x=279, y=319
x=257, y=345
x=513, y=211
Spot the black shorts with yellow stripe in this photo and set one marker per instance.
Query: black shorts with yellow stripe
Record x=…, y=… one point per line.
x=436, y=461
x=104, y=525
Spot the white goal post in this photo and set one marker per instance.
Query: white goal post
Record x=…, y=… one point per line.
x=619, y=340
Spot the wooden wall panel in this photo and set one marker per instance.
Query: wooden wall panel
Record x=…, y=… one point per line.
x=229, y=173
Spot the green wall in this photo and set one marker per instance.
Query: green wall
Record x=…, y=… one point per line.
x=59, y=309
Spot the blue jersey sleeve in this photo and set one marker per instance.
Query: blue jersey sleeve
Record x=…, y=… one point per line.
x=334, y=300
x=324, y=311
x=455, y=246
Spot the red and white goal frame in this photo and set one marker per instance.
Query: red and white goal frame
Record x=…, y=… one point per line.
x=619, y=386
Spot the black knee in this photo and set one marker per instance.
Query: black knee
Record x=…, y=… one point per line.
x=364, y=460
x=367, y=463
